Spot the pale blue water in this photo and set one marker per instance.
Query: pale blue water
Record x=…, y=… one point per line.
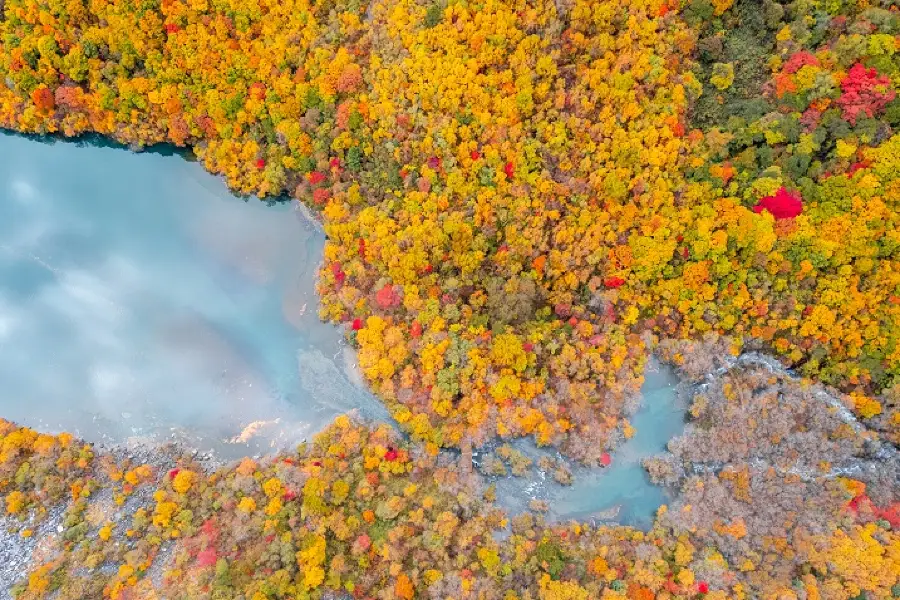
x=621, y=492
x=138, y=297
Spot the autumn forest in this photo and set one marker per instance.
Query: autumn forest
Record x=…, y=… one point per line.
x=523, y=200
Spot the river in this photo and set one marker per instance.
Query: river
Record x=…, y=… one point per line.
x=621, y=492
x=140, y=299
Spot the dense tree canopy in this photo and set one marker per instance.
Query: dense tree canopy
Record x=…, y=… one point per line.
x=521, y=198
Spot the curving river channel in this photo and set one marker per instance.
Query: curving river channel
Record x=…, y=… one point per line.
x=140, y=299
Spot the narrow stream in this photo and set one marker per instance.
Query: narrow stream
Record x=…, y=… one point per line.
x=621, y=492
x=140, y=299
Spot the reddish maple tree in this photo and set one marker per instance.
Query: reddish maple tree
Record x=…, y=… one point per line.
x=864, y=91
x=783, y=205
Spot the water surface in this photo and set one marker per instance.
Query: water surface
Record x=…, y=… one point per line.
x=138, y=297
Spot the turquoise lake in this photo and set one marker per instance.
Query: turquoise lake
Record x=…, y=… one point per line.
x=140, y=299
